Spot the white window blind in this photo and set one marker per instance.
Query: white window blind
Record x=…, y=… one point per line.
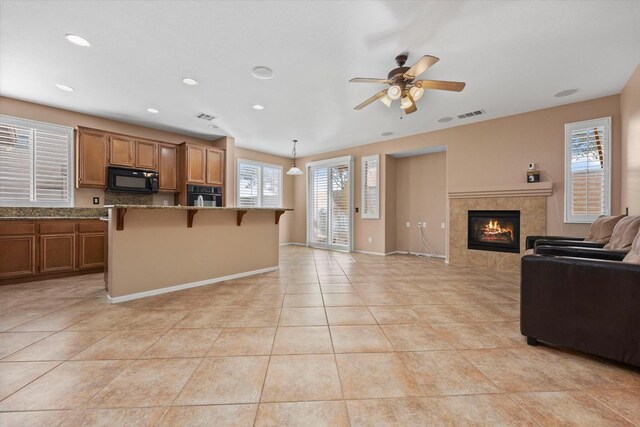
x=259, y=184
x=587, y=170
x=371, y=187
x=36, y=164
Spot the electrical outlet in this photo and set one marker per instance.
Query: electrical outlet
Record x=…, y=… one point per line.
x=424, y=224
x=442, y=225
x=96, y=200
x=370, y=239
x=408, y=224
x=419, y=224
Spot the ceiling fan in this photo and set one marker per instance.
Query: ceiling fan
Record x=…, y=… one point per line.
x=403, y=85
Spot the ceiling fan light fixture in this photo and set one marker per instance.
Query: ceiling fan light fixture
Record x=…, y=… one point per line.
x=386, y=100
x=394, y=92
x=416, y=92
x=405, y=103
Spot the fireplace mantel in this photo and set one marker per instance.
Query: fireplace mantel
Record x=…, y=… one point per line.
x=534, y=189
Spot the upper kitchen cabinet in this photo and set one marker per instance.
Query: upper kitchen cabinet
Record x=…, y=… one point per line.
x=146, y=155
x=92, y=158
x=121, y=150
x=167, y=167
x=215, y=166
x=195, y=163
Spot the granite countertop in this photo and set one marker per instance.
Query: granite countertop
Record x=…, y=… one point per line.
x=30, y=214
x=196, y=208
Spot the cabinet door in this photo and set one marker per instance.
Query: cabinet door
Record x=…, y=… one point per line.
x=215, y=166
x=167, y=167
x=121, y=151
x=146, y=155
x=17, y=256
x=57, y=253
x=90, y=250
x=92, y=159
x=196, y=164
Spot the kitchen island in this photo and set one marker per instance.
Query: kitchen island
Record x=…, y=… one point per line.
x=158, y=249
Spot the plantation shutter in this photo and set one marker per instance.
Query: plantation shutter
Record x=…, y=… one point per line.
x=588, y=160
x=259, y=184
x=340, y=230
x=36, y=162
x=371, y=187
x=271, y=186
x=319, y=205
x=249, y=185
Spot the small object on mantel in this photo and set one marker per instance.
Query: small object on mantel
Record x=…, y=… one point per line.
x=533, y=175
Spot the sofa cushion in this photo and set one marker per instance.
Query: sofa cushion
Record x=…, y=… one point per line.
x=602, y=228
x=633, y=256
x=624, y=233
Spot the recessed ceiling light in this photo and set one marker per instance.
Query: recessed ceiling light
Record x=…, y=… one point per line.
x=257, y=107
x=213, y=126
x=564, y=93
x=261, y=72
x=153, y=110
x=445, y=119
x=189, y=81
x=386, y=133
x=64, y=87
x=77, y=40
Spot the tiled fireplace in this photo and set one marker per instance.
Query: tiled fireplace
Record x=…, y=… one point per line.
x=494, y=209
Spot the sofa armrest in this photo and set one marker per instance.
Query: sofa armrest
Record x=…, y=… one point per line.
x=531, y=240
x=579, y=252
x=582, y=243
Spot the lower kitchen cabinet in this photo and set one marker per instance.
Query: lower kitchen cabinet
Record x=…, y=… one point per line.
x=34, y=250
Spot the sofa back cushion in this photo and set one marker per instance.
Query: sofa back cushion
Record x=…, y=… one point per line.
x=633, y=256
x=624, y=233
x=602, y=228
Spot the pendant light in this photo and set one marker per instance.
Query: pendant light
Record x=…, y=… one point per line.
x=294, y=169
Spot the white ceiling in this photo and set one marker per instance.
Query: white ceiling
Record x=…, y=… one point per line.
x=514, y=57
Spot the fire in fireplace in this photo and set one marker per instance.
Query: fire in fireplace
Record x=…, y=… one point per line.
x=494, y=231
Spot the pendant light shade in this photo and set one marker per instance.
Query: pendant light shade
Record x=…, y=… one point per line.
x=294, y=169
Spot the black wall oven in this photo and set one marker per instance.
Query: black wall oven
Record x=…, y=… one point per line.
x=132, y=180
x=210, y=196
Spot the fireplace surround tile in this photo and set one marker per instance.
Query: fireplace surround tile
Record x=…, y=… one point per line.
x=533, y=220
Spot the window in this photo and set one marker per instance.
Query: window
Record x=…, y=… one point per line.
x=36, y=164
x=259, y=184
x=587, y=170
x=371, y=187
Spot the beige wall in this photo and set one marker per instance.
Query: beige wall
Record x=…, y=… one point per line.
x=391, y=200
x=421, y=192
x=173, y=254
x=493, y=152
x=630, y=111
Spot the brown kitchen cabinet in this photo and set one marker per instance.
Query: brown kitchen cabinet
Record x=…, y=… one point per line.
x=167, y=167
x=196, y=164
x=92, y=158
x=146, y=155
x=121, y=150
x=40, y=249
x=215, y=166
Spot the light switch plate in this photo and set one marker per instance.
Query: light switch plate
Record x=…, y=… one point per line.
x=96, y=200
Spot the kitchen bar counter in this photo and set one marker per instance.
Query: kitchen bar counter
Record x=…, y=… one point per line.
x=159, y=249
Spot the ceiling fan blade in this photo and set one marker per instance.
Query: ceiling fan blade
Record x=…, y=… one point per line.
x=369, y=80
x=421, y=66
x=441, y=85
x=371, y=100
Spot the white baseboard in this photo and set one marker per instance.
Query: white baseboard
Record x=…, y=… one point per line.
x=372, y=253
x=293, y=243
x=184, y=286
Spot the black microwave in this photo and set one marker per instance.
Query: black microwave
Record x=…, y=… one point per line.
x=132, y=180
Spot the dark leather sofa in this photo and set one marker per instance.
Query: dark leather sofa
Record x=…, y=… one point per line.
x=588, y=304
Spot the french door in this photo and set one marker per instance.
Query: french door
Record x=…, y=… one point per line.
x=330, y=204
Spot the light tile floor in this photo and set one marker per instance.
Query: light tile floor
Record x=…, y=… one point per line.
x=330, y=339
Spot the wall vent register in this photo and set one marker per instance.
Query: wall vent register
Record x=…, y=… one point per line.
x=470, y=114
x=205, y=116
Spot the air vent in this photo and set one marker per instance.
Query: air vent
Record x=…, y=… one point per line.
x=205, y=116
x=470, y=114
